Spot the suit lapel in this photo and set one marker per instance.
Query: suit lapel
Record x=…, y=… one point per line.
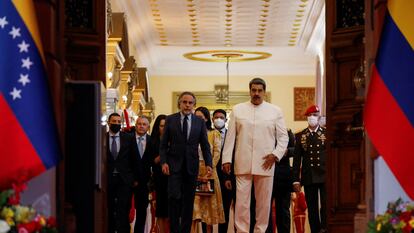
x=193, y=124
x=122, y=142
x=147, y=144
x=136, y=145
x=178, y=122
x=121, y=145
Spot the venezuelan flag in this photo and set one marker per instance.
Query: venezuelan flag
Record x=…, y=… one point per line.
x=389, y=110
x=28, y=137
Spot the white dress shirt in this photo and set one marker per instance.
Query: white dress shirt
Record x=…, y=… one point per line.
x=254, y=130
x=188, y=123
x=117, y=139
x=143, y=142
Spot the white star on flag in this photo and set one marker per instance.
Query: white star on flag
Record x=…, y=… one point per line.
x=26, y=63
x=24, y=47
x=15, y=32
x=3, y=22
x=16, y=93
x=24, y=79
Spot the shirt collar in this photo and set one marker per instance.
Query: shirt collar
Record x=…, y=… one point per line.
x=143, y=136
x=313, y=131
x=111, y=134
x=182, y=116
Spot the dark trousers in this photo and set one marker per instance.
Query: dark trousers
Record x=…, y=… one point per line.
x=317, y=218
x=227, y=197
x=181, y=192
x=282, y=197
x=141, y=204
x=119, y=203
x=252, y=210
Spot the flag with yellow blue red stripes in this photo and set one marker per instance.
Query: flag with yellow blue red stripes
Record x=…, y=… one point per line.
x=28, y=137
x=389, y=109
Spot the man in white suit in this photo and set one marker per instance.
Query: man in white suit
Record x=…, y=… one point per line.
x=254, y=128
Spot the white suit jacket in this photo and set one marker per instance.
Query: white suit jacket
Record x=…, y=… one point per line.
x=253, y=131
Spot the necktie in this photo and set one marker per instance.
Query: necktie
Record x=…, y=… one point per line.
x=140, y=147
x=114, y=148
x=221, y=137
x=185, y=126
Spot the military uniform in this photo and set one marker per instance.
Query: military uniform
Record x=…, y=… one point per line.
x=310, y=152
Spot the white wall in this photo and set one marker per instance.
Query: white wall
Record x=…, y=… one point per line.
x=386, y=187
x=41, y=193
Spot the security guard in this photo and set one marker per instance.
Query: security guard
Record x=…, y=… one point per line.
x=310, y=152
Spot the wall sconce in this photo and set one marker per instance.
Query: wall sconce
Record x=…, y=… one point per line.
x=359, y=78
x=222, y=93
x=359, y=82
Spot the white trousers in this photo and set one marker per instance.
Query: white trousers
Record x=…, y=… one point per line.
x=263, y=192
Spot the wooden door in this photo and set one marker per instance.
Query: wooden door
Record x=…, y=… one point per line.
x=85, y=45
x=345, y=71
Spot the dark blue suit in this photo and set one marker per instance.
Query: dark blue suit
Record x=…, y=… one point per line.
x=181, y=155
x=142, y=173
x=120, y=181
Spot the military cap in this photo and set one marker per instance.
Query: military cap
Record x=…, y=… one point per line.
x=311, y=109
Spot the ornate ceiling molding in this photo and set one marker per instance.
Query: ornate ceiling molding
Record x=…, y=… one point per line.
x=226, y=55
x=282, y=28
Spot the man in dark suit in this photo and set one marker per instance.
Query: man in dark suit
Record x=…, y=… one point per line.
x=282, y=189
x=142, y=171
x=121, y=180
x=281, y=194
x=310, y=152
x=183, y=134
x=227, y=182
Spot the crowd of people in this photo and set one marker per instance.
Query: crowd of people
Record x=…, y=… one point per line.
x=200, y=168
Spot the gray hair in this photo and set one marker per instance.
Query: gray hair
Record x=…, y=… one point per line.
x=186, y=93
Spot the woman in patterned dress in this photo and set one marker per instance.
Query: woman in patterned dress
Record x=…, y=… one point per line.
x=208, y=208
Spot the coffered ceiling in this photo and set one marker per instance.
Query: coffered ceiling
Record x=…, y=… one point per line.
x=161, y=31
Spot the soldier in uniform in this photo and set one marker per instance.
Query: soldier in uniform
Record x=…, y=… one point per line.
x=309, y=168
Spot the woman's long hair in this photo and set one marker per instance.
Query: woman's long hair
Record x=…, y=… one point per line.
x=155, y=134
x=206, y=114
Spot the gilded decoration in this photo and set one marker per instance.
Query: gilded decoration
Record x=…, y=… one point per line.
x=303, y=98
x=226, y=55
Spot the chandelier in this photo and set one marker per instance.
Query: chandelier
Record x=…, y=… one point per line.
x=222, y=91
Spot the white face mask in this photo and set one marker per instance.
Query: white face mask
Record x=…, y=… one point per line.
x=219, y=123
x=313, y=121
x=322, y=121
